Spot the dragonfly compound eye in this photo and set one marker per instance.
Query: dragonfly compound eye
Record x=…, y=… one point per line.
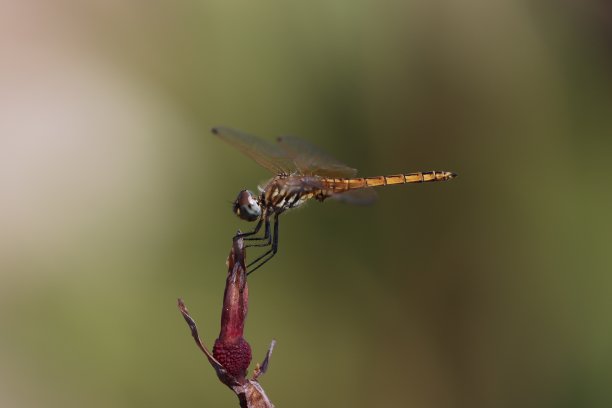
x=246, y=206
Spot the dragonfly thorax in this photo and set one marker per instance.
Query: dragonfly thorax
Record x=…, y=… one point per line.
x=247, y=206
x=285, y=192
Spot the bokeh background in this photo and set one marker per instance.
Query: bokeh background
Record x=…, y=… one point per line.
x=493, y=290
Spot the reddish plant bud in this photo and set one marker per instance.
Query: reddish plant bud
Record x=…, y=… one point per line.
x=231, y=353
x=235, y=358
x=231, y=349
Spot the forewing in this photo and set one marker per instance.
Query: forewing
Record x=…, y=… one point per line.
x=268, y=155
x=305, y=183
x=311, y=160
x=361, y=196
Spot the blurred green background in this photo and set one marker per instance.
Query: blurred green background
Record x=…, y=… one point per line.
x=493, y=290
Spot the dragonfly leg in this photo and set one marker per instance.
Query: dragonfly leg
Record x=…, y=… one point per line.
x=267, y=237
x=255, y=231
x=265, y=257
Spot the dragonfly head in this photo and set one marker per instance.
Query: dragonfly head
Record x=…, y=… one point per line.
x=246, y=206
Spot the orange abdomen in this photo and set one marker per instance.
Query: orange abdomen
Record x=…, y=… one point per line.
x=345, y=184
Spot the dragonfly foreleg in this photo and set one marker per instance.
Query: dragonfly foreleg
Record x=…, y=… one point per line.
x=266, y=256
x=267, y=237
x=246, y=234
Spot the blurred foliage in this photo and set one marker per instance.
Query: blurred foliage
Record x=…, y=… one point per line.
x=489, y=291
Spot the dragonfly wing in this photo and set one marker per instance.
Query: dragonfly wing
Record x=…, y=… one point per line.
x=361, y=196
x=268, y=155
x=311, y=160
x=306, y=183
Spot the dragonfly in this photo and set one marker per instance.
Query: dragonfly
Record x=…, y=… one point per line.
x=301, y=172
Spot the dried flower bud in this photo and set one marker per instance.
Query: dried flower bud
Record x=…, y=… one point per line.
x=231, y=354
x=231, y=349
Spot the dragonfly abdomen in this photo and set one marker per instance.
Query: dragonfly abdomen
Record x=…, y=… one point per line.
x=338, y=185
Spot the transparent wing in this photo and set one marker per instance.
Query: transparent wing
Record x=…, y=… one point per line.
x=311, y=160
x=268, y=155
x=361, y=196
x=305, y=183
